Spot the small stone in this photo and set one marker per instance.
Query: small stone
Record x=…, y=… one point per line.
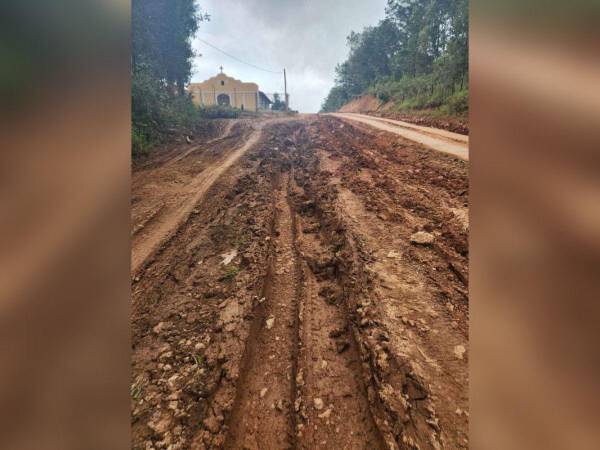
x=199, y=346
x=422, y=238
x=166, y=355
x=160, y=422
x=325, y=415
x=270, y=322
x=263, y=392
x=434, y=423
x=171, y=381
x=318, y=404
x=459, y=351
x=158, y=328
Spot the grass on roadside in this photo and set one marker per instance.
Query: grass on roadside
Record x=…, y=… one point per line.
x=230, y=273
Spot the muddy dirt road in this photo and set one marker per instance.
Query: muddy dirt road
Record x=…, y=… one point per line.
x=440, y=140
x=300, y=284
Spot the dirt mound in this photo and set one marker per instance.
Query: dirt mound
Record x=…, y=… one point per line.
x=455, y=124
x=364, y=104
x=369, y=104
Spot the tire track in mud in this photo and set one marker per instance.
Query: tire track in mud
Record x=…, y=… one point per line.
x=413, y=346
x=262, y=417
x=210, y=131
x=148, y=240
x=332, y=397
x=302, y=384
x=158, y=190
x=192, y=311
x=408, y=315
x=224, y=135
x=434, y=139
x=435, y=132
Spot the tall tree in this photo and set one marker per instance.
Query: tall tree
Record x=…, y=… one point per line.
x=161, y=38
x=161, y=67
x=421, y=47
x=369, y=59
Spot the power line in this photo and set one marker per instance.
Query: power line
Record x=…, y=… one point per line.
x=237, y=59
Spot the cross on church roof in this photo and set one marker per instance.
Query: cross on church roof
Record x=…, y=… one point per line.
x=221, y=69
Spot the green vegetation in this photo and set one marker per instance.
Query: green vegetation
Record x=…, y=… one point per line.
x=230, y=274
x=198, y=359
x=277, y=105
x=219, y=112
x=137, y=388
x=417, y=57
x=161, y=68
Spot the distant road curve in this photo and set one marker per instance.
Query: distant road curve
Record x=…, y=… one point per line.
x=434, y=138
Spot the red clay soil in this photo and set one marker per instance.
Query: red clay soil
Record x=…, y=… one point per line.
x=159, y=153
x=371, y=105
x=315, y=296
x=364, y=104
x=454, y=124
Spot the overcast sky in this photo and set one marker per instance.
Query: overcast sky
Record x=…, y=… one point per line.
x=307, y=37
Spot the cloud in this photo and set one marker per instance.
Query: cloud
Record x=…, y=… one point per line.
x=307, y=37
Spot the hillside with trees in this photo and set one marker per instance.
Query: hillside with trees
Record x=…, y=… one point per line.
x=161, y=66
x=416, y=58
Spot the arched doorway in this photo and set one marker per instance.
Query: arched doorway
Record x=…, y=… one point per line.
x=223, y=100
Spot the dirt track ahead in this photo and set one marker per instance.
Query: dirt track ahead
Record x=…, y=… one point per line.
x=284, y=303
x=440, y=140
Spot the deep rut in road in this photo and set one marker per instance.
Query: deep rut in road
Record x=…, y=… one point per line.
x=262, y=416
x=161, y=225
x=301, y=386
x=332, y=401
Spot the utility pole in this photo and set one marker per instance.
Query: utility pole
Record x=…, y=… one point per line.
x=285, y=88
